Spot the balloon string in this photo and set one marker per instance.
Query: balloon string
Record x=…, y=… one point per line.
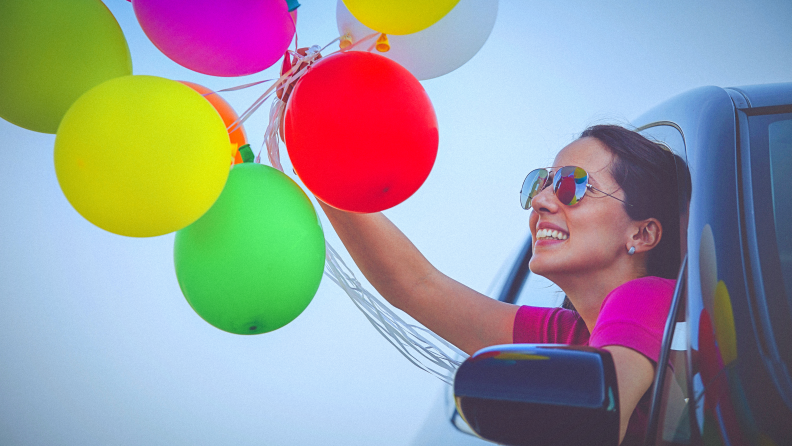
x=419, y=350
x=354, y=44
x=298, y=69
x=420, y=346
x=293, y=74
x=240, y=87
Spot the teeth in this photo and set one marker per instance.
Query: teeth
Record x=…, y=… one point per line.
x=550, y=234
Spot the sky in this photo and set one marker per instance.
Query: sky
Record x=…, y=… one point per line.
x=98, y=346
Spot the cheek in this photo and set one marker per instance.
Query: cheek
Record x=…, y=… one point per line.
x=601, y=231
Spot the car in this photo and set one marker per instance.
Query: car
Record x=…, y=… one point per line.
x=728, y=336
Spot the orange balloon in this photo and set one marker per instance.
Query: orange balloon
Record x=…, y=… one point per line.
x=237, y=137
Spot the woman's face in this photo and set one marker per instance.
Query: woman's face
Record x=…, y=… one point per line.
x=596, y=228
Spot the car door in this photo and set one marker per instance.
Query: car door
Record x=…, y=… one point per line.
x=728, y=339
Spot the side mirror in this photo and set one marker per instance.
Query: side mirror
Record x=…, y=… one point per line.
x=539, y=394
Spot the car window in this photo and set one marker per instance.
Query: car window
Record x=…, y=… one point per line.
x=770, y=138
x=538, y=291
x=499, y=281
x=515, y=283
x=671, y=136
x=535, y=290
x=779, y=141
x=666, y=133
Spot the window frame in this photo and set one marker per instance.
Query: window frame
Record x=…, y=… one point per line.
x=661, y=132
x=677, y=311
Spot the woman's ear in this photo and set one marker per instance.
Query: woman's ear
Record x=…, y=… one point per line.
x=647, y=234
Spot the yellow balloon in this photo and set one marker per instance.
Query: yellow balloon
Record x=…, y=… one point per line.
x=399, y=16
x=725, y=331
x=141, y=156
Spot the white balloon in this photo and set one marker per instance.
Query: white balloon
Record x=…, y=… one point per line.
x=437, y=50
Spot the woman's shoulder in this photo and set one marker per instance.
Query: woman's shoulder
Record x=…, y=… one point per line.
x=649, y=285
x=634, y=315
x=639, y=298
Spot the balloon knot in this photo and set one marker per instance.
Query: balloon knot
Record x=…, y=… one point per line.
x=312, y=50
x=383, y=45
x=345, y=41
x=303, y=58
x=246, y=153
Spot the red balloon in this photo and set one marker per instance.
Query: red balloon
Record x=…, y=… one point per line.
x=362, y=133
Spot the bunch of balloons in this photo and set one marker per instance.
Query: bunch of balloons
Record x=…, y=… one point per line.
x=143, y=156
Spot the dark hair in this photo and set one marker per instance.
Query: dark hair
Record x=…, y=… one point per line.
x=656, y=183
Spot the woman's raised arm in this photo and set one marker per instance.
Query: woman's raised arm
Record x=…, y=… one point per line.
x=403, y=276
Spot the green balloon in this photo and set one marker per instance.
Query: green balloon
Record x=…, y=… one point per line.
x=254, y=261
x=51, y=52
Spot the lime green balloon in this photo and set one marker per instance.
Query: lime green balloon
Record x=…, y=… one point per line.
x=53, y=51
x=254, y=261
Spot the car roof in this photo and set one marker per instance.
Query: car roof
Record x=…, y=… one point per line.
x=697, y=106
x=765, y=95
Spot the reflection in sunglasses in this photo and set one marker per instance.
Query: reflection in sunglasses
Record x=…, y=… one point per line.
x=569, y=185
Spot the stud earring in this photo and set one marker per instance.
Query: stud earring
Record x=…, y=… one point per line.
x=631, y=251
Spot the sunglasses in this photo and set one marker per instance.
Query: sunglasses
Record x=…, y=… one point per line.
x=569, y=185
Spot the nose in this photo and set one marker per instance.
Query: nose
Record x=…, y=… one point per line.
x=545, y=200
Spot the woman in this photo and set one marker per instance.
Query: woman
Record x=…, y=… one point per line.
x=605, y=225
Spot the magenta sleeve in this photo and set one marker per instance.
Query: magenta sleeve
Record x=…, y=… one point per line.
x=634, y=315
x=540, y=325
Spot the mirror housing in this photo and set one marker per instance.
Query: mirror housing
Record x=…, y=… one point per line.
x=540, y=394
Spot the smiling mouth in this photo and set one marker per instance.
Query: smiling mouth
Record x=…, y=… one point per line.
x=549, y=234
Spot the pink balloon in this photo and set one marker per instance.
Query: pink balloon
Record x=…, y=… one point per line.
x=218, y=37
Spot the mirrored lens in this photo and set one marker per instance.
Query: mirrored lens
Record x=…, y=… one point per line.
x=533, y=184
x=569, y=184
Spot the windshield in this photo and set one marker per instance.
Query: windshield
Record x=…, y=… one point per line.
x=780, y=149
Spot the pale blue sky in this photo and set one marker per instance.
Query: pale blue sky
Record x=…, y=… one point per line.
x=98, y=346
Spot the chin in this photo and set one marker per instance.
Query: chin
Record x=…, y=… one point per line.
x=549, y=268
x=538, y=267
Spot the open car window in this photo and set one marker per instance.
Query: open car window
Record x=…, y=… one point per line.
x=538, y=291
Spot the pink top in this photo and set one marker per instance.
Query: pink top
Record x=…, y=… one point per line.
x=633, y=315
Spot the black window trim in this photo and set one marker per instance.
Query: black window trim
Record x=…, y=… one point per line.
x=668, y=336
x=518, y=274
